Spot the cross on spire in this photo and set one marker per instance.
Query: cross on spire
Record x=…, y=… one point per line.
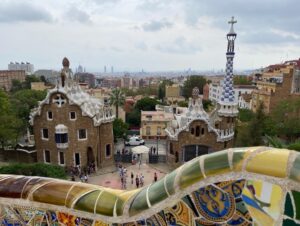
x=232, y=22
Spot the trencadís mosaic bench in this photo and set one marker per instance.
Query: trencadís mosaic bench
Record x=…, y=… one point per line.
x=244, y=186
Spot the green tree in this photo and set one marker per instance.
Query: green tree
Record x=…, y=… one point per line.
x=10, y=124
x=245, y=115
x=23, y=101
x=146, y=104
x=117, y=98
x=183, y=104
x=241, y=80
x=28, y=80
x=133, y=118
x=250, y=133
x=120, y=128
x=287, y=118
x=192, y=82
x=16, y=85
x=206, y=104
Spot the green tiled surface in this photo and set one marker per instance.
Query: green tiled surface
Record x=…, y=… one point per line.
x=87, y=202
x=289, y=222
x=139, y=203
x=119, y=207
x=296, y=196
x=295, y=171
x=157, y=192
x=238, y=156
x=190, y=174
x=170, y=178
x=106, y=204
x=216, y=163
x=288, y=207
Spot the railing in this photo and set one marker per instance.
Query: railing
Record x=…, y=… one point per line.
x=231, y=187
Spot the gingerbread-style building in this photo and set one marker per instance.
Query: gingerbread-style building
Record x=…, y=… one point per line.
x=195, y=132
x=71, y=127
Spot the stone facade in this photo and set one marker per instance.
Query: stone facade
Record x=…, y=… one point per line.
x=207, y=139
x=7, y=76
x=271, y=93
x=72, y=128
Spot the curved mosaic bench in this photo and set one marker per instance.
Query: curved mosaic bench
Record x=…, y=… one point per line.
x=244, y=186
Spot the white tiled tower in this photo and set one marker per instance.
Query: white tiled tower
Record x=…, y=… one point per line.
x=228, y=104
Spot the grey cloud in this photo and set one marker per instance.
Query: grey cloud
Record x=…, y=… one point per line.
x=251, y=15
x=22, y=12
x=268, y=38
x=179, y=46
x=141, y=46
x=75, y=14
x=156, y=25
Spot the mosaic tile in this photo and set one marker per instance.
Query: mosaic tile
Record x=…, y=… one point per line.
x=296, y=197
x=139, y=203
x=190, y=174
x=157, y=192
x=106, y=203
x=288, y=207
x=170, y=178
x=270, y=163
x=295, y=170
x=87, y=202
x=216, y=163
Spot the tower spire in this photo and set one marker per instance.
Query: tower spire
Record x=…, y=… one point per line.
x=227, y=100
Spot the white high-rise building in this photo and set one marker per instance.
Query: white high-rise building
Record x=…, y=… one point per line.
x=27, y=67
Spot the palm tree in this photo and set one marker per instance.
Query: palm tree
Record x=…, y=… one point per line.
x=117, y=98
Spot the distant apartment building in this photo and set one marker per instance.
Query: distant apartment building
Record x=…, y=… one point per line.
x=7, y=76
x=110, y=83
x=240, y=93
x=127, y=82
x=206, y=92
x=27, y=67
x=88, y=78
x=50, y=76
x=277, y=83
x=173, y=94
x=154, y=123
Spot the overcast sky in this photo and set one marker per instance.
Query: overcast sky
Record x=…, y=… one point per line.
x=148, y=34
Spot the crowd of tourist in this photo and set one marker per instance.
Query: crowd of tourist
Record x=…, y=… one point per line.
x=82, y=173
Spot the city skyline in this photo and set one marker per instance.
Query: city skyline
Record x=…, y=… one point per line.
x=147, y=35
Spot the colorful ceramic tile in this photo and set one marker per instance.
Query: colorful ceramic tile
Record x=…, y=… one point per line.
x=288, y=207
x=106, y=204
x=190, y=174
x=170, y=178
x=295, y=170
x=296, y=198
x=270, y=163
x=216, y=163
x=139, y=203
x=157, y=192
x=87, y=202
x=263, y=201
x=214, y=204
x=57, y=196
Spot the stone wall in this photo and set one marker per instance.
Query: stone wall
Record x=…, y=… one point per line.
x=97, y=137
x=187, y=138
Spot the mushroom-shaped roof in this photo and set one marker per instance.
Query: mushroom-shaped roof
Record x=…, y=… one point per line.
x=66, y=62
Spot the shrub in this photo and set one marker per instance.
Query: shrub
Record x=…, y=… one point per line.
x=294, y=146
x=34, y=169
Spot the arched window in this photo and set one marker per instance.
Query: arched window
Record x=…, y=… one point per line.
x=171, y=149
x=107, y=150
x=192, y=131
x=197, y=131
x=176, y=157
x=202, y=131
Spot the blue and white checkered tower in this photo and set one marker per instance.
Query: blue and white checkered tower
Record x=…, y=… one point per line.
x=227, y=101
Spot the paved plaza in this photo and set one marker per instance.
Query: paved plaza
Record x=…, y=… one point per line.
x=112, y=179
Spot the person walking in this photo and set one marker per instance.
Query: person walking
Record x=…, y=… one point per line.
x=132, y=177
x=137, y=181
x=155, y=176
